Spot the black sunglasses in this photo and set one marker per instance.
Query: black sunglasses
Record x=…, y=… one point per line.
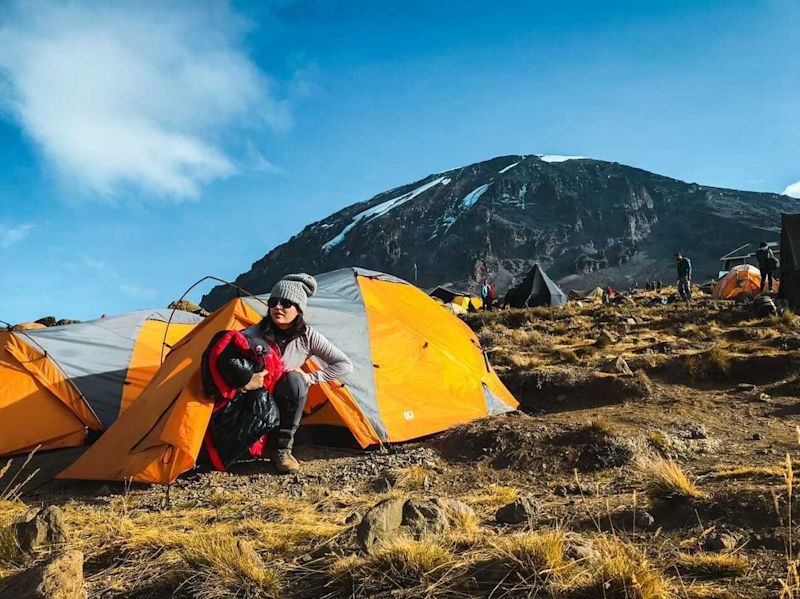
x=284, y=303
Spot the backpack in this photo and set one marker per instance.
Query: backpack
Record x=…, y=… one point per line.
x=239, y=420
x=773, y=263
x=491, y=292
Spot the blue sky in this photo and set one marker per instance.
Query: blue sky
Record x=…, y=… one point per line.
x=144, y=147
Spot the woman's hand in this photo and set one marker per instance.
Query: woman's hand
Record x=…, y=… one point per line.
x=256, y=381
x=302, y=373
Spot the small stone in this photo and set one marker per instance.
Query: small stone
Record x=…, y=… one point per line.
x=721, y=541
x=45, y=528
x=757, y=437
x=618, y=366
x=521, y=510
x=698, y=431
x=764, y=397
x=605, y=339
x=645, y=520
x=580, y=550
x=745, y=387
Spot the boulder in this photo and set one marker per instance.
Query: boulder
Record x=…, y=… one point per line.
x=413, y=518
x=44, y=529
x=380, y=523
x=523, y=509
x=423, y=518
x=60, y=576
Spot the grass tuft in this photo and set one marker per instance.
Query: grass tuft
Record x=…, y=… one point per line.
x=711, y=565
x=666, y=480
x=398, y=564
x=222, y=566
x=623, y=572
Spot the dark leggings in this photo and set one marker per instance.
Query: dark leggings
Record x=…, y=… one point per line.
x=290, y=394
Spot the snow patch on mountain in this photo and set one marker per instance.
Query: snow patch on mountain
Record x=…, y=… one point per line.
x=557, y=158
x=508, y=168
x=379, y=210
x=473, y=196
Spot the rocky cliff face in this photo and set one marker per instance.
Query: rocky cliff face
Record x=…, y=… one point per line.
x=587, y=221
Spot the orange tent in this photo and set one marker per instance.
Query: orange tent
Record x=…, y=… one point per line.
x=417, y=370
x=743, y=278
x=58, y=383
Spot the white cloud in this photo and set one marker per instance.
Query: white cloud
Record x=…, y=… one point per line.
x=138, y=292
x=793, y=190
x=122, y=94
x=9, y=235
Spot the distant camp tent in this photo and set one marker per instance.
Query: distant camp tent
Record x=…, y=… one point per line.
x=591, y=295
x=466, y=301
x=742, y=279
x=56, y=383
x=417, y=370
x=790, y=260
x=536, y=289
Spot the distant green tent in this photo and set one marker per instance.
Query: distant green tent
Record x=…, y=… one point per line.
x=536, y=289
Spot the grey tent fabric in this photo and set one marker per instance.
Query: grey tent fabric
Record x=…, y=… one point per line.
x=494, y=404
x=790, y=260
x=96, y=354
x=337, y=311
x=536, y=289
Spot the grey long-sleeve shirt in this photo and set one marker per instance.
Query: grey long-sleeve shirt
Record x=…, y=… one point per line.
x=314, y=344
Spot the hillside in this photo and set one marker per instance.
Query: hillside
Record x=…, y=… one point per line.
x=663, y=474
x=589, y=221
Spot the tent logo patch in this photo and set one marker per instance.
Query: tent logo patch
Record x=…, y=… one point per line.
x=409, y=415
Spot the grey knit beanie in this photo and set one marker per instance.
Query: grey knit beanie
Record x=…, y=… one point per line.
x=296, y=288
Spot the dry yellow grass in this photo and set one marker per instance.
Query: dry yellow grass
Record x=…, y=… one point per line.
x=412, y=478
x=666, y=480
x=398, y=564
x=530, y=556
x=601, y=425
x=711, y=565
x=221, y=566
x=622, y=571
x=749, y=472
x=715, y=361
x=492, y=496
x=658, y=440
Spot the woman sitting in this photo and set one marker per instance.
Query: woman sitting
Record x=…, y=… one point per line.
x=296, y=341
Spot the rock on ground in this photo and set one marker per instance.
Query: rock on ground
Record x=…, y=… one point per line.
x=58, y=577
x=45, y=528
x=521, y=510
x=414, y=518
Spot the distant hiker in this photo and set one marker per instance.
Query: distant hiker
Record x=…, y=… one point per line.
x=487, y=294
x=684, y=276
x=659, y=284
x=767, y=264
x=285, y=342
x=648, y=286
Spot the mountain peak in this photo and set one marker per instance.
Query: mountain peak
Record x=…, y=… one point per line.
x=587, y=221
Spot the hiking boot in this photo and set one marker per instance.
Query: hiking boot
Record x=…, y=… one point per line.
x=284, y=461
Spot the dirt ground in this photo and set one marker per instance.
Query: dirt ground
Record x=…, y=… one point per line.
x=664, y=433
